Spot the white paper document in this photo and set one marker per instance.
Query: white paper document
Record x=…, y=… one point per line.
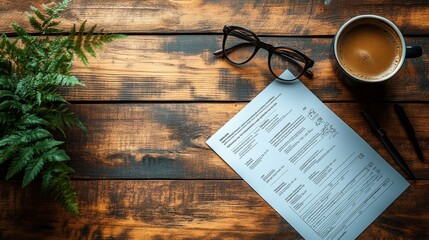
x=310, y=166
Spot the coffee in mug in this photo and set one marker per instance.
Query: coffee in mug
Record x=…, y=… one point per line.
x=370, y=49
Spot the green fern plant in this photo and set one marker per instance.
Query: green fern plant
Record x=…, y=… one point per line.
x=32, y=110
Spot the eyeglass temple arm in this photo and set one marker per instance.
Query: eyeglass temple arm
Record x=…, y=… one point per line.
x=308, y=73
x=228, y=50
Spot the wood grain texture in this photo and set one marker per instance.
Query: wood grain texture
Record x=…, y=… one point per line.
x=160, y=140
x=183, y=68
x=143, y=169
x=196, y=16
x=162, y=209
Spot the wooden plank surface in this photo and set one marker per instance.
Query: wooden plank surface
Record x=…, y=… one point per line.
x=177, y=209
x=287, y=17
x=183, y=68
x=143, y=169
x=167, y=140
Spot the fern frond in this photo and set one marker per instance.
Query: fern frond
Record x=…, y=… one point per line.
x=89, y=41
x=39, y=15
x=72, y=33
x=24, y=156
x=82, y=56
x=48, y=10
x=26, y=38
x=45, y=145
x=59, y=7
x=58, y=155
x=56, y=182
x=53, y=116
x=55, y=11
x=24, y=137
x=34, y=135
x=70, y=119
x=34, y=23
x=50, y=82
x=5, y=59
x=47, y=23
x=32, y=120
x=38, y=98
x=61, y=117
x=108, y=38
x=54, y=97
x=35, y=165
x=62, y=62
x=22, y=86
x=63, y=80
x=33, y=169
x=53, y=170
x=7, y=153
x=6, y=94
x=78, y=42
x=49, y=95
x=80, y=34
x=10, y=51
x=10, y=104
x=50, y=27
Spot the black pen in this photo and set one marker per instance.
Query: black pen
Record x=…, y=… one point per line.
x=409, y=128
x=387, y=143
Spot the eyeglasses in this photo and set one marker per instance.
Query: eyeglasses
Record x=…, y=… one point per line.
x=240, y=45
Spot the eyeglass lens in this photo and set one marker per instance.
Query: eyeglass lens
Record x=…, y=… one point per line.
x=239, y=46
x=283, y=59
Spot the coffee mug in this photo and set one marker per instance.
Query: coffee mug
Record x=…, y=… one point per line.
x=370, y=49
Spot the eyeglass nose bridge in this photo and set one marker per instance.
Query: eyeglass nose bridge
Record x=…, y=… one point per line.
x=266, y=46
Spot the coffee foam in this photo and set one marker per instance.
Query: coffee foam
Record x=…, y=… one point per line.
x=364, y=57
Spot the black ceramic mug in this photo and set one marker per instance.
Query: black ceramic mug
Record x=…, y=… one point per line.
x=370, y=49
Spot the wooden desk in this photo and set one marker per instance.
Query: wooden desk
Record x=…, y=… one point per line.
x=143, y=170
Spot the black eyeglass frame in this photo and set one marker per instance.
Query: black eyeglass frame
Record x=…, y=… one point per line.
x=270, y=48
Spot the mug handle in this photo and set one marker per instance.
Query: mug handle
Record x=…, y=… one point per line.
x=413, y=52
